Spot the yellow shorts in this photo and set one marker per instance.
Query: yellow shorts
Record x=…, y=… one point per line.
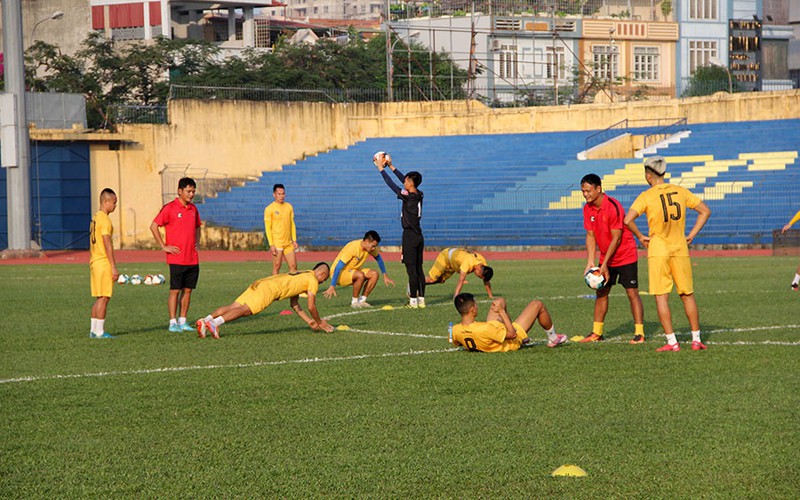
x=521, y=336
x=664, y=271
x=255, y=299
x=286, y=249
x=346, y=276
x=440, y=271
x=101, y=278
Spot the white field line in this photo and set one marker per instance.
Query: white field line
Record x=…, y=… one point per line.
x=622, y=340
x=385, y=355
x=400, y=334
x=214, y=367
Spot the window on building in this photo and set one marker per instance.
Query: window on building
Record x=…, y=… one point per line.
x=508, y=61
x=556, y=63
x=606, y=62
x=646, y=62
x=701, y=53
x=262, y=33
x=703, y=9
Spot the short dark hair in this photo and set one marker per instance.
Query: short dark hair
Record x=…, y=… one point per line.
x=277, y=187
x=415, y=177
x=322, y=264
x=372, y=235
x=186, y=181
x=488, y=272
x=464, y=302
x=592, y=179
x=105, y=193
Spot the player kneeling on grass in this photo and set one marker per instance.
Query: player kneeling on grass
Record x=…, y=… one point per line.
x=347, y=269
x=498, y=333
x=261, y=293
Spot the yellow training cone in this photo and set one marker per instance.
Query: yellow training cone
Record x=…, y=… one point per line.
x=569, y=470
x=387, y=308
x=342, y=327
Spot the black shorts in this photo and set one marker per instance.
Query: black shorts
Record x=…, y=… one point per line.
x=181, y=277
x=627, y=275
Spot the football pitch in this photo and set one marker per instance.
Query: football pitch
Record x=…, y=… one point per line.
x=388, y=408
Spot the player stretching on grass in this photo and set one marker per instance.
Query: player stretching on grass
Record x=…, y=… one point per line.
x=667, y=245
x=796, y=280
x=261, y=293
x=410, y=215
x=102, y=266
x=498, y=333
x=603, y=218
x=347, y=269
x=461, y=261
x=281, y=231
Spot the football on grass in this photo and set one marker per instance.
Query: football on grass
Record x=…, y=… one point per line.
x=594, y=279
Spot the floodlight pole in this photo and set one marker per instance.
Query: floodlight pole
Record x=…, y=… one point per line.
x=16, y=140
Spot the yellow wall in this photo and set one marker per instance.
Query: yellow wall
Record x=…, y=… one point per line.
x=242, y=138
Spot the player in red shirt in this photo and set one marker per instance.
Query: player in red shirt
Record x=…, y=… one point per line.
x=181, y=223
x=603, y=218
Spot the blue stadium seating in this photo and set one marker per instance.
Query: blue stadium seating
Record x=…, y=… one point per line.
x=522, y=189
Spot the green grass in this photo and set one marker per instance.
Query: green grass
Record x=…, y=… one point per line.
x=274, y=410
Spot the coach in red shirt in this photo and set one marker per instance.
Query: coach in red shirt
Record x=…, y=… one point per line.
x=181, y=223
x=603, y=220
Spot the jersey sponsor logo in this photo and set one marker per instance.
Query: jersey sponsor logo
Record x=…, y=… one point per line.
x=592, y=219
x=180, y=215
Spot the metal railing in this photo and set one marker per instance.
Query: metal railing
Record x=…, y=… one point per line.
x=131, y=113
x=665, y=132
x=500, y=96
x=606, y=134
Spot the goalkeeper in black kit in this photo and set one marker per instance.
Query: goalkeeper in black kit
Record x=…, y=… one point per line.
x=410, y=215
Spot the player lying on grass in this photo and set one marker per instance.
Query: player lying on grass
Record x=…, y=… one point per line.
x=461, y=261
x=261, y=293
x=498, y=333
x=348, y=269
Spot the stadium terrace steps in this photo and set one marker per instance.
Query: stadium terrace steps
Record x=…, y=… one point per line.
x=522, y=189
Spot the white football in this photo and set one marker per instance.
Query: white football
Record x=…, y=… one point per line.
x=136, y=279
x=161, y=279
x=148, y=280
x=377, y=156
x=123, y=278
x=594, y=279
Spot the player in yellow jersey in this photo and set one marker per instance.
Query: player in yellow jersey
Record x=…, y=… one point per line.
x=348, y=269
x=281, y=231
x=667, y=246
x=498, y=333
x=461, y=261
x=263, y=292
x=796, y=280
x=102, y=266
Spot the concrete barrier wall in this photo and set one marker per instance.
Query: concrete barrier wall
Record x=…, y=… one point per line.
x=244, y=138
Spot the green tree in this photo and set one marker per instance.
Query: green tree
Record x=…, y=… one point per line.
x=141, y=74
x=707, y=80
x=109, y=74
